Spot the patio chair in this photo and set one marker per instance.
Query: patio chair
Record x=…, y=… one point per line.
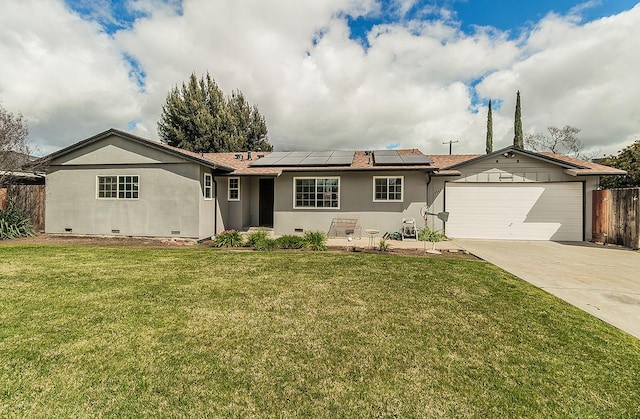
x=409, y=230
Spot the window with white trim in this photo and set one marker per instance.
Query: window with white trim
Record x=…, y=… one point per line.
x=388, y=188
x=234, y=189
x=208, y=186
x=312, y=192
x=118, y=187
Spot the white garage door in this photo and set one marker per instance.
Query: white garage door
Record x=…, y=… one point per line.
x=517, y=211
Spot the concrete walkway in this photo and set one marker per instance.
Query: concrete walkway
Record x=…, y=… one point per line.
x=603, y=281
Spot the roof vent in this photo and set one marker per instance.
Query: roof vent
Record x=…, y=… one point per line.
x=239, y=156
x=249, y=155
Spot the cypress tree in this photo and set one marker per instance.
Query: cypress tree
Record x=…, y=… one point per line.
x=518, y=139
x=489, y=130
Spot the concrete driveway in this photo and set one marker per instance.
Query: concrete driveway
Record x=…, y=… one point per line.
x=602, y=281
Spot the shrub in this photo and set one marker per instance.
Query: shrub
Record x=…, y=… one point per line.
x=315, y=240
x=256, y=236
x=384, y=245
x=290, y=242
x=228, y=238
x=266, y=244
x=428, y=235
x=13, y=225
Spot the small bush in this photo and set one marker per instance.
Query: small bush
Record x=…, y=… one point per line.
x=384, y=245
x=290, y=242
x=315, y=240
x=256, y=236
x=13, y=225
x=428, y=235
x=228, y=238
x=266, y=244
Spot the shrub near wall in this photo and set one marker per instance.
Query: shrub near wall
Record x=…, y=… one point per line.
x=13, y=225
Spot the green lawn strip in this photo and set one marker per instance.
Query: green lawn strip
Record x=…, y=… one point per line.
x=88, y=331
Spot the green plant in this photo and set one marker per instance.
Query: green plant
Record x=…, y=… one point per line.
x=13, y=225
x=266, y=244
x=255, y=236
x=428, y=235
x=289, y=241
x=228, y=238
x=384, y=245
x=315, y=240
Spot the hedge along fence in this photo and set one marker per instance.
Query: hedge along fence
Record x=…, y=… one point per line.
x=616, y=216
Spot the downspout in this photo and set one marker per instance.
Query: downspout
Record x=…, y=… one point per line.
x=215, y=204
x=426, y=198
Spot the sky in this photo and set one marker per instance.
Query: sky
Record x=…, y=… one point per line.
x=331, y=74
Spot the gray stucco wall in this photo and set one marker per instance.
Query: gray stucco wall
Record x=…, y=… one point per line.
x=356, y=201
x=242, y=214
x=170, y=200
x=206, y=208
x=507, y=170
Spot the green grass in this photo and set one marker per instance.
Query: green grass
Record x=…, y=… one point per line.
x=88, y=331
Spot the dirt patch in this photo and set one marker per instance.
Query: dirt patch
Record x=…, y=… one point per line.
x=149, y=242
x=104, y=241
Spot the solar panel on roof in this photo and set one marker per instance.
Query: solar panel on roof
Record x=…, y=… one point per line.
x=314, y=161
x=387, y=160
x=416, y=159
x=290, y=161
x=339, y=161
x=306, y=158
x=385, y=153
x=321, y=154
x=342, y=153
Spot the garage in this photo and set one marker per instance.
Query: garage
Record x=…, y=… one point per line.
x=515, y=211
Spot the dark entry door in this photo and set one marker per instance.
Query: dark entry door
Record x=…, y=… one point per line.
x=266, y=203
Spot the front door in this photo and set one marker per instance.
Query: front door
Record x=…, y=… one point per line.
x=266, y=202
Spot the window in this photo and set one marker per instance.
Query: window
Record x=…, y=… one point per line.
x=317, y=192
x=118, y=187
x=234, y=189
x=107, y=186
x=387, y=188
x=208, y=186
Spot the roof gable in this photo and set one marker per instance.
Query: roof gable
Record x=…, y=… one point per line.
x=511, y=152
x=156, y=146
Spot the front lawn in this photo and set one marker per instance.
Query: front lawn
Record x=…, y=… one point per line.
x=90, y=331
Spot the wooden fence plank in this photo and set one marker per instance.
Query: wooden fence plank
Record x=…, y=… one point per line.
x=616, y=216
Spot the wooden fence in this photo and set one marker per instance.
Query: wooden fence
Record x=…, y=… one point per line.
x=616, y=216
x=29, y=199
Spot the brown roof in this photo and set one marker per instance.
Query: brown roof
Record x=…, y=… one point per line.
x=590, y=168
x=444, y=165
x=361, y=161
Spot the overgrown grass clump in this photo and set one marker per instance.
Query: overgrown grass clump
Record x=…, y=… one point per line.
x=88, y=331
x=13, y=224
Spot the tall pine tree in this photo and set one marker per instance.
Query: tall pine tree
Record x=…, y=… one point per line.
x=518, y=139
x=489, y=148
x=198, y=117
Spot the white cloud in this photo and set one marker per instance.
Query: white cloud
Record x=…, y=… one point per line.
x=317, y=87
x=584, y=76
x=62, y=73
